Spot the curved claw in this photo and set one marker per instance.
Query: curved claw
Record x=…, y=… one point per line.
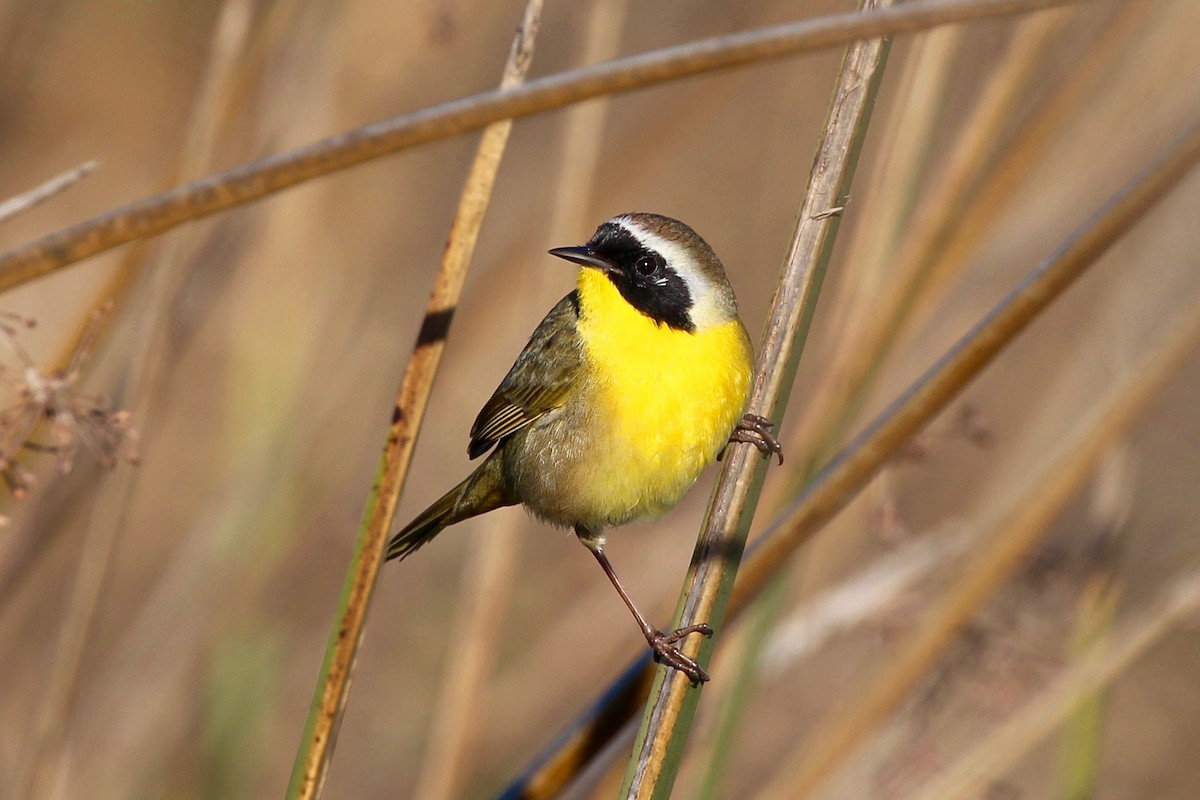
x=665, y=652
x=680, y=633
x=756, y=430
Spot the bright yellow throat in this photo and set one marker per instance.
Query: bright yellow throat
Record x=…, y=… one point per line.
x=665, y=400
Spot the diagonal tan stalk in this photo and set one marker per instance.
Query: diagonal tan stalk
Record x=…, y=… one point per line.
x=892, y=192
x=859, y=460
x=709, y=583
x=1006, y=545
x=337, y=670
x=245, y=184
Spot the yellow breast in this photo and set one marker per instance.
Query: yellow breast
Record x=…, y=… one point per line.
x=667, y=400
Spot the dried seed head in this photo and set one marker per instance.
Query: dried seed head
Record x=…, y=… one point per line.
x=75, y=419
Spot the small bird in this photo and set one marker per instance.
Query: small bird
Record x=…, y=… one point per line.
x=631, y=385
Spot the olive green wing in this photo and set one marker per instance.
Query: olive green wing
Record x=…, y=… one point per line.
x=541, y=379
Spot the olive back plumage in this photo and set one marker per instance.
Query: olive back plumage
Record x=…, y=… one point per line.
x=541, y=379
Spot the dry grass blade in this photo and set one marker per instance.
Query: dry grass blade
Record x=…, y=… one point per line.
x=659, y=746
x=154, y=215
x=1105, y=662
x=1006, y=545
x=854, y=465
x=894, y=182
x=43, y=192
x=333, y=684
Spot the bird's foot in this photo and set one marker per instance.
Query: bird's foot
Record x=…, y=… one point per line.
x=756, y=430
x=665, y=651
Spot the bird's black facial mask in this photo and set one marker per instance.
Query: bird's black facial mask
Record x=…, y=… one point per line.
x=643, y=278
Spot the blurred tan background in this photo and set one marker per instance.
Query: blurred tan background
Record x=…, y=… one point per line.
x=275, y=336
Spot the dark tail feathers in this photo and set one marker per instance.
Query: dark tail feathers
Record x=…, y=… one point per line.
x=481, y=492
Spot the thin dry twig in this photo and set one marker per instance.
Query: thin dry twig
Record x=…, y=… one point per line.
x=156, y=214
x=936, y=214
x=860, y=459
x=40, y=194
x=709, y=582
x=337, y=670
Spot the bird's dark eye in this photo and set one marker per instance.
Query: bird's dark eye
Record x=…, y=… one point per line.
x=646, y=265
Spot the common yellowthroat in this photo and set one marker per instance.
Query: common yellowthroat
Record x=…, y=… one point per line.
x=628, y=388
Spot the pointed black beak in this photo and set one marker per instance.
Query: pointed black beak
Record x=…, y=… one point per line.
x=584, y=256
